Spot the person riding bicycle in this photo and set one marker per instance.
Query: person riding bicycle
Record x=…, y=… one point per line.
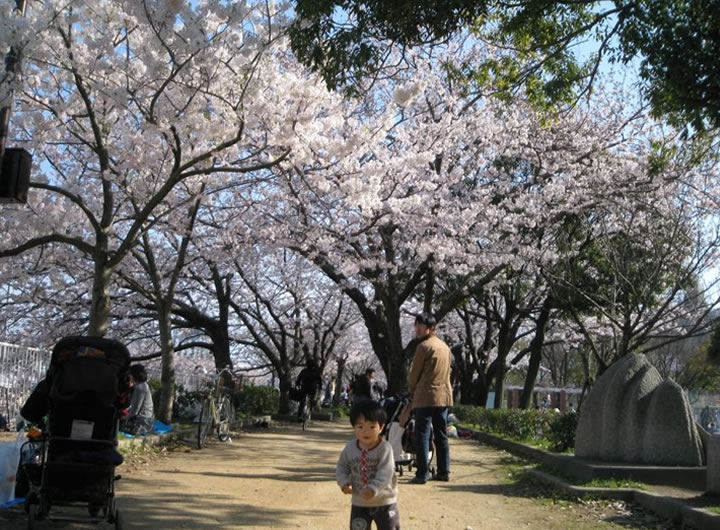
x=309, y=381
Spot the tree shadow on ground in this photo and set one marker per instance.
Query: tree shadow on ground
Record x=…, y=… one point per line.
x=161, y=511
x=521, y=483
x=285, y=474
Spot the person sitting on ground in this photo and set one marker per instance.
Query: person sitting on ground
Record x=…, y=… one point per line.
x=141, y=416
x=366, y=470
x=309, y=381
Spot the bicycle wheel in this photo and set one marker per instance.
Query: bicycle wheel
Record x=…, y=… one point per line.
x=305, y=422
x=204, y=422
x=225, y=418
x=307, y=413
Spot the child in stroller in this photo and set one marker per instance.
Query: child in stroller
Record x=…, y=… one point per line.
x=400, y=432
x=77, y=406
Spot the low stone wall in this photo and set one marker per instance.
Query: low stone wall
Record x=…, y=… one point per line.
x=570, y=466
x=584, y=470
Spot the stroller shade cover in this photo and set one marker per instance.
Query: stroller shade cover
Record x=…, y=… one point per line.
x=88, y=365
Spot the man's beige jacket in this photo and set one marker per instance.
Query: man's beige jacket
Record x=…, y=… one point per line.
x=429, y=379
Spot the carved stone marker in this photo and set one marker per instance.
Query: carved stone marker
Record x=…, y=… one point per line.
x=632, y=415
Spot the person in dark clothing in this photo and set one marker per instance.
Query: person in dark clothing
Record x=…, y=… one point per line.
x=362, y=387
x=309, y=381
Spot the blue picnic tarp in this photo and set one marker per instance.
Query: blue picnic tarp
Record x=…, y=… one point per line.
x=158, y=428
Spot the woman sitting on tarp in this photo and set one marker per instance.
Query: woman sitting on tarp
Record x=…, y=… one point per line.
x=140, y=415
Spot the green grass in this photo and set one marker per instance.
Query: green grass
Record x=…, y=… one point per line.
x=613, y=483
x=596, y=482
x=713, y=509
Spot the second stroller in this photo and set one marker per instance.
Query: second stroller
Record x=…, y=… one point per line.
x=400, y=433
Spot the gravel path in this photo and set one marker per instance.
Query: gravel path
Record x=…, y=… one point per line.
x=282, y=477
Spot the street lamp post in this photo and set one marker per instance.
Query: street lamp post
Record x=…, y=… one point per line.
x=14, y=162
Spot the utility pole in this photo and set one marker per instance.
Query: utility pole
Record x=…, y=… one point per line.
x=14, y=163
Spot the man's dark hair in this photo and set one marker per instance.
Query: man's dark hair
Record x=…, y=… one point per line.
x=427, y=319
x=370, y=371
x=138, y=373
x=369, y=410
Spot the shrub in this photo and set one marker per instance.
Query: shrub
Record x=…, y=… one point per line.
x=561, y=432
x=187, y=401
x=524, y=425
x=252, y=399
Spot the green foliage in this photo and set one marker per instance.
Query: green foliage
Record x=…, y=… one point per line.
x=674, y=42
x=253, y=400
x=713, y=352
x=185, y=399
x=680, y=43
x=537, y=427
x=339, y=412
x=561, y=432
x=700, y=370
x=154, y=384
x=344, y=40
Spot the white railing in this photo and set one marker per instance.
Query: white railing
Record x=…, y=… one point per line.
x=20, y=370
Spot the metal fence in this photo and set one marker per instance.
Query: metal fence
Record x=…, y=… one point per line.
x=20, y=370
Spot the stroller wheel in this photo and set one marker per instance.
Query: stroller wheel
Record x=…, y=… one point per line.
x=30, y=500
x=32, y=516
x=118, y=520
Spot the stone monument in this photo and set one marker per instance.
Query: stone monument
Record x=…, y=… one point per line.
x=632, y=415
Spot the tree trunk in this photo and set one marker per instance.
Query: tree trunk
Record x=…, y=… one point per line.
x=481, y=390
x=463, y=372
x=339, y=380
x=285, y=384
x=386, y=340
x=499, y=386
x=100, y=308
x=536, y=346
x=167, y=393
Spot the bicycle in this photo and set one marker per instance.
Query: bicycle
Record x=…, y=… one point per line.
x=307, y=404
x=216, y=410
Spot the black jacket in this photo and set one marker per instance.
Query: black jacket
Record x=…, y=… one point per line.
x=309, y=381
x=362, y=387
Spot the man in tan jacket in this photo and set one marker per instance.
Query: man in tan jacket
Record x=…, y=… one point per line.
x=431, y=391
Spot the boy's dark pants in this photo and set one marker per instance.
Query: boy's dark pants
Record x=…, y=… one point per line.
x=385, y=517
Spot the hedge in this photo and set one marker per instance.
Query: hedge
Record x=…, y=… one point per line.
x=538, y=427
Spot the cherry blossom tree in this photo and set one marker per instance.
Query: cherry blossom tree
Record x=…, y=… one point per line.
x=289, y=311
x=120, y=102
x=427, y=175
x=162, y=256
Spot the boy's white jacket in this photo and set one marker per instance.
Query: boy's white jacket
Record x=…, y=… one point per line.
x=381, y=473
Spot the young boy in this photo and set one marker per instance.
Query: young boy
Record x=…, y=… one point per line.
x=366, y=469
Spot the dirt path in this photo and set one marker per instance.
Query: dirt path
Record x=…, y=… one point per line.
x=284, y=478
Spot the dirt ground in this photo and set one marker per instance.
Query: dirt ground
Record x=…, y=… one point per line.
x=282, y=477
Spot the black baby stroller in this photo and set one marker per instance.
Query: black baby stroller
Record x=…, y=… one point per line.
x=82, y=394
x=400, y=433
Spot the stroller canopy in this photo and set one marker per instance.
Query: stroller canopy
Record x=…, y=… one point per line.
x=88, y=364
